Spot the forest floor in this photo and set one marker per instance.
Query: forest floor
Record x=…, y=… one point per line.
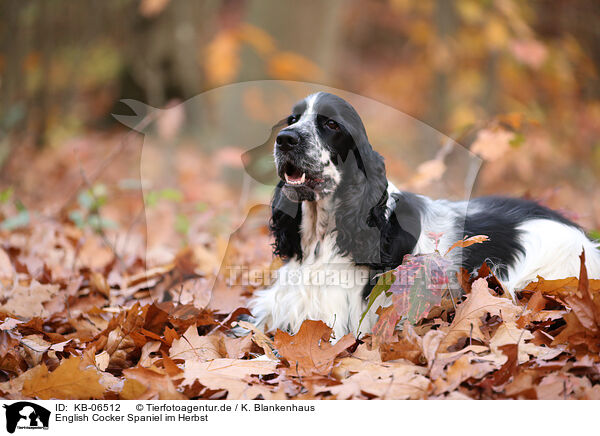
x=110, y=294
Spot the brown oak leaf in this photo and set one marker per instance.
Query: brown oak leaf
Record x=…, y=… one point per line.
x=467, y=321
x=310, y=351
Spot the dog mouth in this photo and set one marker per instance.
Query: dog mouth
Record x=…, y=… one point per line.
x=295, y=176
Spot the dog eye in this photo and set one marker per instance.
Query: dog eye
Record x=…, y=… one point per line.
x=332, y=125
x=292, y=119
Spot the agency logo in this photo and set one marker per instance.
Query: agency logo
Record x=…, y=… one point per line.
x=26, y=415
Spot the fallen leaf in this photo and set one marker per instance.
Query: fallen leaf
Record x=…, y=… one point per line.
x=582, y=304
x=386, y=380
x=15, y=385
x=509, y=368
x=467, y=320
x=146, y=359
x=417, y=286
x=191, y=346
x=101, y=360
x=439, y=366
x=409, y=346
x=467, y=366
x=509, y=333
x=535, y=304
x=229, y=375
x=35, y=347
x=259, y=338
x=9, y=323
x=27, y=300
x=468, y=241
x=310, y=350
x=67, y=381
x=158, y=385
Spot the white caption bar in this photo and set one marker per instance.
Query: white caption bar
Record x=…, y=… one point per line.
x=295, y=417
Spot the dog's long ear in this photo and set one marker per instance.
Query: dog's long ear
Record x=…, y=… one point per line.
x=362, y=196
x=286, y=216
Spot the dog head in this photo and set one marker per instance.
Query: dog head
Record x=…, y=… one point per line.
x=324, y=151
x=311, y=153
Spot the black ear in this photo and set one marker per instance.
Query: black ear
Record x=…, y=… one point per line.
x=362, y=197
x=400, y=231
x=371, y=234
x=286, y=216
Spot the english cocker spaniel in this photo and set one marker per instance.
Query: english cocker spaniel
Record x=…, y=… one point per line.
x=337, y=222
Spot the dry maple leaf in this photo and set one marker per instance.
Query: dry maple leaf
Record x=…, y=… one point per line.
x=68, y=381
x=467, y=321
x=230, y=375
x=191, y=346
x=310, y=350
x=156, y=382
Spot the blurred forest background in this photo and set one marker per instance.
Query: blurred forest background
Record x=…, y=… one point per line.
x=516, y=82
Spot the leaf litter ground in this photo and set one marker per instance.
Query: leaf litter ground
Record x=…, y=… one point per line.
x=120, y=314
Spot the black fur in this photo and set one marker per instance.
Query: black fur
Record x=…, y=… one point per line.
x=286, y=216
x=401, y=232
x=498, y=218
x=358, y=197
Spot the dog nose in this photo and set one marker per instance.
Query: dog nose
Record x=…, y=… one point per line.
x=287, y=139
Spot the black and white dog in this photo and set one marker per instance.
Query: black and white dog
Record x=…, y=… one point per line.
x=337, y=221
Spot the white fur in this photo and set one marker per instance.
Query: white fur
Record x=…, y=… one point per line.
x=551, y=248
x=552, y=251
x=325, y=285
x=438, y=216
